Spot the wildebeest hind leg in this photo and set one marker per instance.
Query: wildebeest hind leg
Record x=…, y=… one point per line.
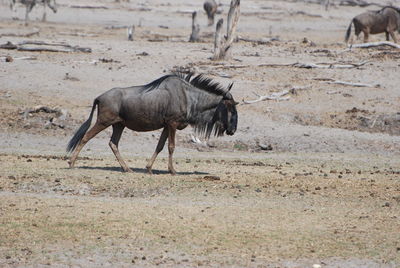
x=159, y=148
x=393, y=35
x=116, y=136
x=89, y=135
x=366, y=35
x=171, y=148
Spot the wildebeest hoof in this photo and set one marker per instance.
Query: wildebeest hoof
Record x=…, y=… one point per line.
x=149, y=170
x=128, y=170
x=71, y=165
x=172, y=171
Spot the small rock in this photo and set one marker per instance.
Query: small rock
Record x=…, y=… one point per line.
x=211, y=178
x=265, y=147
x=144, y=53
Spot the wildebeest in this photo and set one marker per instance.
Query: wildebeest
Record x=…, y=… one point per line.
x=171, y=102
x=386, y=20
x=210, y=6
x=29, y=4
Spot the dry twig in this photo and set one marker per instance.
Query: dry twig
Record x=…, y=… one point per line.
x=278, y=96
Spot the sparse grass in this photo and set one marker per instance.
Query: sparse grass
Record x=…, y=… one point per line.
x=269, y=208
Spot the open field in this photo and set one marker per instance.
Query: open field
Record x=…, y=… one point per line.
x=314, y=179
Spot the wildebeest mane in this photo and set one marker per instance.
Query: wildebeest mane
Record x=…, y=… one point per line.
x=156, y=83
x=200, y=82
x=207, y=84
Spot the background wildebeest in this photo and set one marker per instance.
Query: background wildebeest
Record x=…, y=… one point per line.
x=171, y=102
x=386, y=20
x=210, y=6
x=29, y=4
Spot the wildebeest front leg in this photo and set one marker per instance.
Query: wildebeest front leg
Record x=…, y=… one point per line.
x=159, y=148
x=366, y=35
x=171, y=148
x=89, y=135
x=116, y=136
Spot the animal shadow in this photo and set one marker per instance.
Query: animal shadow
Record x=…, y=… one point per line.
x=144, y=171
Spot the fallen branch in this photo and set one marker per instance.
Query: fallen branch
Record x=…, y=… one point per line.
x=78, y=34
x=325, y=65
x=262, y=41
x=305, y=14
x=43, y=46
x=375, y=44
x=29, y=34
x=321, y=65
x=89, y=7
x=278, y=96
x=359, y=3
x=112, y=27
x=349, y=84
x=9, y=58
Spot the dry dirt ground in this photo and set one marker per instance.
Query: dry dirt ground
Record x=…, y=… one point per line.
x=312, y=181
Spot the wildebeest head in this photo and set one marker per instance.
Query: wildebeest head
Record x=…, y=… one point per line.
x=226, y=117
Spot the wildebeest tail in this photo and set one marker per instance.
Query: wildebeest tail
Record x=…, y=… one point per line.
x=348, y=32
x=81, y=131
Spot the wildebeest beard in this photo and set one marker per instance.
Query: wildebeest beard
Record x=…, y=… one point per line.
x=212, y=122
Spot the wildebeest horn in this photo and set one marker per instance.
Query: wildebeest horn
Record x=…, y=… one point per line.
x=230, y=87
x=228, y=96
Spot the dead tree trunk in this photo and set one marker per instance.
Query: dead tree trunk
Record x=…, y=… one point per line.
x=194, y=37
x=218, y=42
x=223, y=45
x=327, y=4
x=131, y=31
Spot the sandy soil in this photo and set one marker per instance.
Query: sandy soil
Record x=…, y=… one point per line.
x=311, y=180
